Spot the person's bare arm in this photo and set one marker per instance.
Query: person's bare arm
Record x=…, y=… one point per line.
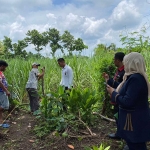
x=4, y=89
x=40, y=76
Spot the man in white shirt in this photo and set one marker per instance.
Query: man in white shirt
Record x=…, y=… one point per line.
x=67, y=74
x=32, y=85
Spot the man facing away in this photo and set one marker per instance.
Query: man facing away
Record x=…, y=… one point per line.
x=4, y=93
x=32, y=85
x=114, y=82
x=66, y=75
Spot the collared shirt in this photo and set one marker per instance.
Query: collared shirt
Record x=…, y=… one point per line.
x=33, y=79
x=67, y=77
x=3, y=80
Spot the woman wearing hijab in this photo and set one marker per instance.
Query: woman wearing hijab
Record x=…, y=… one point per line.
x=132, y=97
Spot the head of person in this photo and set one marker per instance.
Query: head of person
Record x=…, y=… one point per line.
x=3, y=65
x=118, y=59
x=134, y=63
x=61, y=62
x=35, y=65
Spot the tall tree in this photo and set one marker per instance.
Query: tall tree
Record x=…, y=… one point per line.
x=19, y=48
x=112, y=46
x=68, y=42
x=35, y=38
x=79, y=45
x=7, y=47
x=99, y=49
x=54, y=38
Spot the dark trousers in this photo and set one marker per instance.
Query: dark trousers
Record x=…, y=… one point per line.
x=137, y=146
x=34, y=99
x=63, y=100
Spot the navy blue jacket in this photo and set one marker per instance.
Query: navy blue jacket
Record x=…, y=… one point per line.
x=134, y=116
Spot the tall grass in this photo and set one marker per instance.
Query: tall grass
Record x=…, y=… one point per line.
x=86, y=72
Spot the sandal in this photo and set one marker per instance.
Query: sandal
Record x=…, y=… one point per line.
x=5, y=125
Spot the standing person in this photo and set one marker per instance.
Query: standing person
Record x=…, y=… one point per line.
x=66, y=74
x=114, y=82
x=132, y=97
x=66, y=78
x=4, y=93
x=32, y=84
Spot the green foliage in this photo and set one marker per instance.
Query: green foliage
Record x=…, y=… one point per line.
x=102, y=147
x=1, y=48
x=35, y=38
x=54, y=38
x=108, y=67
x=136, y=41
x=51, y=105
x=7, y=46
x=19, y=49
x=81, y=102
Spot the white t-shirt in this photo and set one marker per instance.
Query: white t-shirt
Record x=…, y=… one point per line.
x=33, y=79
x=67, y=77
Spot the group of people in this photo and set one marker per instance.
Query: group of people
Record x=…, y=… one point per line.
x=32, y=84
x=34, y=76
x=129, y=91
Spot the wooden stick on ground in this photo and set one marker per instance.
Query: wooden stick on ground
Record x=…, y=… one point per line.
x=106, y=118
x=91, y=133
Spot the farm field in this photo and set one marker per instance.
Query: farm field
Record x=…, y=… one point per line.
x=46, y=131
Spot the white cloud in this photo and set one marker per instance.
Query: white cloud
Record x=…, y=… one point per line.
x=50, y=15
x=92, y=20
x=93, y=26
x=125, y=14
x=20, y=18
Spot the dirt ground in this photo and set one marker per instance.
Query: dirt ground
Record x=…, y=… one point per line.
x=19, y=136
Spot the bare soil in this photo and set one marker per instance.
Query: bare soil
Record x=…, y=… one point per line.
x=20, y=136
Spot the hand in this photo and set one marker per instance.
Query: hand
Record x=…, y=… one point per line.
x=43, y=69
x=109, y=89
x=105, y=76
x=7, y=93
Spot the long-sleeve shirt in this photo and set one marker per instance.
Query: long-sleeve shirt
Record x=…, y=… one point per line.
x=134, y=114
x=118, y=78
x=67, y=77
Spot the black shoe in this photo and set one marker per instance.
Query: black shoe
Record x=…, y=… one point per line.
x=126, y=147
x=114, y=136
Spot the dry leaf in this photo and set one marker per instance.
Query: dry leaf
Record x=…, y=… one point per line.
x=14, y=122
x=32, y=141
x=71, y=146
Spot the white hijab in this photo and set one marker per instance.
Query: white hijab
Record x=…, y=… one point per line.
x=134, y=63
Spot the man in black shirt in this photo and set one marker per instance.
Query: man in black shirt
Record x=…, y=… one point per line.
x=115, y=81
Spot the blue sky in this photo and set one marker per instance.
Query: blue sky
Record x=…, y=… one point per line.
x=95, y=21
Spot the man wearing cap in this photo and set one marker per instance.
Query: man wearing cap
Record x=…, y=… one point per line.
x=32, y=84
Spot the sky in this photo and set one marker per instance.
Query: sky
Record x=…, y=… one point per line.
x=95, y=21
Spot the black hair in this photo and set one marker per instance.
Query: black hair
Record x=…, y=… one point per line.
x=119, y=56
x=61, y=60
x=3, y=63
